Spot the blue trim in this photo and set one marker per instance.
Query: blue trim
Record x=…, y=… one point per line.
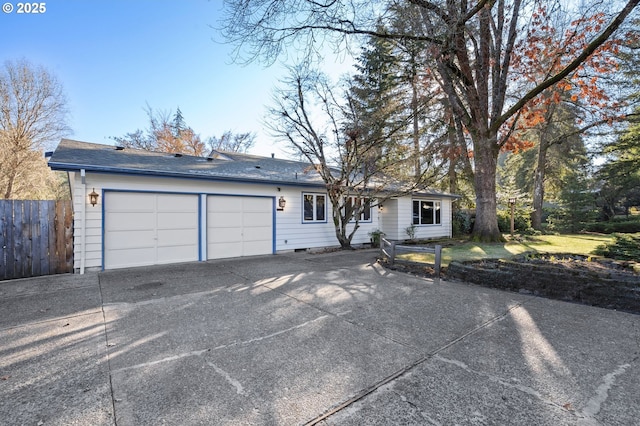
x=103, y=227
x=273, y=225
x=199, y=228
x=154, y=173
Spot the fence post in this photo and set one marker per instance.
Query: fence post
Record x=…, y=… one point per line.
x=438, y=252
x=393, y=252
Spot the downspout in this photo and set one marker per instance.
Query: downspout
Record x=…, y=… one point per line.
x=83, y=220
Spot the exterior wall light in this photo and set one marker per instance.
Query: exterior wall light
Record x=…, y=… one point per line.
x=93, y=197
x=281, y=203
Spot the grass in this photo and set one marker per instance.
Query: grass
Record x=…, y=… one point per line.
x=574, y=244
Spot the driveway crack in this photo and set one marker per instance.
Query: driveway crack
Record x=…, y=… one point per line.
x=106, y=338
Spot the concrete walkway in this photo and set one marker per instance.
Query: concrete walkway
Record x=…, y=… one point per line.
x=330, y=339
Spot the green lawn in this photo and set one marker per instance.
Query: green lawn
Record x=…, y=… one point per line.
x=576, y=244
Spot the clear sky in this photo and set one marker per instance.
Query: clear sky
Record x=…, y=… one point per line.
x=115, y=56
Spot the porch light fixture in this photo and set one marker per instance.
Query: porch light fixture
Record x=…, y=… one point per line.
x=281, y=203
x=93, y=197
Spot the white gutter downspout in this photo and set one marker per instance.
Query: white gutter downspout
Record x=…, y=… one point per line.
x=83, y=214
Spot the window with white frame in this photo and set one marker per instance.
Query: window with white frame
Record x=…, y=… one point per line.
x=357, y=203
x=314, y=207
x=426, y=212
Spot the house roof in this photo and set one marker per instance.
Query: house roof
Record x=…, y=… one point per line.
x=72, y=155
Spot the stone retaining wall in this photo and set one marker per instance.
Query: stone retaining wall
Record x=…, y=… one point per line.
x=607, y=290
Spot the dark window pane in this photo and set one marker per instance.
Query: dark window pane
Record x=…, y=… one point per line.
x=366, y=214
x=426, y=213
x=320, y=207
x=438, y=212
x=308, y=207
x=416, y=212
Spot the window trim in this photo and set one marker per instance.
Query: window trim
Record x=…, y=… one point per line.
x=437, y=211
x=315, y=196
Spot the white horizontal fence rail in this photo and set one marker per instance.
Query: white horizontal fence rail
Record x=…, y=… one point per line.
x=391, y=249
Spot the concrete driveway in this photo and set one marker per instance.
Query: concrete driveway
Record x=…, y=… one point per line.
x=330, y=339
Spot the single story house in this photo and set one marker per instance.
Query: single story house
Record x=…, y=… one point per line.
x=134, y=207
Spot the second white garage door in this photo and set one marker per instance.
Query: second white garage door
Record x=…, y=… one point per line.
x=149, y=229
x=239, y=226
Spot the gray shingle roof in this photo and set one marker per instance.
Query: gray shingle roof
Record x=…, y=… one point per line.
x=71, y=155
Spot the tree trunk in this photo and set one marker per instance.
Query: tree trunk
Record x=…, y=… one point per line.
x=340, y=224
x=486, y=224
x=538, y=184
x=416, y=129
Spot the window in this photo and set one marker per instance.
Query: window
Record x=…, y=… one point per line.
x=426, y=212
x=314, y=207
x=356, y=204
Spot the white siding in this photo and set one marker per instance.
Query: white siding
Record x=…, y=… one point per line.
x=290, y=232
x=397, y=216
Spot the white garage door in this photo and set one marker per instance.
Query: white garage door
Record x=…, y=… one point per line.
x=149, y=229
x=239, y=226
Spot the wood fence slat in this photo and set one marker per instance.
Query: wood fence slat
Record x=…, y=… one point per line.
x=35, y=238
x=68, y=235
x=31, y=240
x=394, y=248
x=43, y=231
x=11, y=243
x=51, y=238
x=6, y=215
x=19, y=260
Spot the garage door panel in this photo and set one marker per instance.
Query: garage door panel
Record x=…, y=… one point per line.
x=120, y=240
x=258, y=234
x=150, y=228
x=130, y=202
x=252, y=219
x=257, y=248
x=174, y=220
x=223, y=250
x=177, y=237
x=221, y=203
x=177, y=203
x=225, y=235
x=175, y=254
x=257, y=205
x=224, y=219
x=239, y=226
x=126, y=221
x=131, y=257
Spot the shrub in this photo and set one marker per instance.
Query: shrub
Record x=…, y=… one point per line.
x=624, y=247
x=618, y=225
x=521, y=220
x=461, y=223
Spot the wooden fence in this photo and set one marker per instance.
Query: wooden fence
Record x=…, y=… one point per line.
x=390, y=250
x=36, y=238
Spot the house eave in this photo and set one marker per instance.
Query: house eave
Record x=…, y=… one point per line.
x=155, y=173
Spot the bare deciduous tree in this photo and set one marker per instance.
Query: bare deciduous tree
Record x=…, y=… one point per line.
x=472, y=44
x=33, y=116
x=323, y=125
x=167, y=132
x=232, y=142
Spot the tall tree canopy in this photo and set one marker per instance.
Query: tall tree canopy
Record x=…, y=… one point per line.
x=472, y=45
x=33, y=117
x=167, y=132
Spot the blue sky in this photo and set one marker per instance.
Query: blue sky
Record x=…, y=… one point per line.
x=115, y=56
